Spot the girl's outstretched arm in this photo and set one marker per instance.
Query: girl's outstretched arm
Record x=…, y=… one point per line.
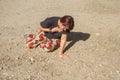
x=62, y=44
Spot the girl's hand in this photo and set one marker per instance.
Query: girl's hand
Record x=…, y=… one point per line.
x=56, y=29
x=63, y=56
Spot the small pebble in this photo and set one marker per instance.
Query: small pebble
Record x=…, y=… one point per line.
x=100, y=65
x=17, y=44
x=18, y=58
x=5, y=25
x=12, y=38
x=97, y=34
x=1, y=68
x=29, y=71
x=48, y=61
x=118, y=72
x=5, y=74
x=28, y=26
x=12, y=75
x=31, y=60
x=10, y=48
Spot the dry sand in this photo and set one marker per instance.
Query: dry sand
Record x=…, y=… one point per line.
x=93, y=49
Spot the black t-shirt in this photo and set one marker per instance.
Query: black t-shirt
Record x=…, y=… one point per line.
x=51, y=23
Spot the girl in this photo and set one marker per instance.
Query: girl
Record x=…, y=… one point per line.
x=53, y=33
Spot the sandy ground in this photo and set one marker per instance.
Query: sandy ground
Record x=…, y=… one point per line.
x=93, y=48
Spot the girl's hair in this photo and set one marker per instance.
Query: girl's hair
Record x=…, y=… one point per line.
x=67, y=21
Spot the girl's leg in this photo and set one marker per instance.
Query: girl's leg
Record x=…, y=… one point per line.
x=33, y=40
x=50, y=44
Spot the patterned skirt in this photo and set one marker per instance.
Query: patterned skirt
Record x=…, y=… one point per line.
x=40, y=40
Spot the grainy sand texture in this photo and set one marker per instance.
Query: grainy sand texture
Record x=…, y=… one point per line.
x=93, y=47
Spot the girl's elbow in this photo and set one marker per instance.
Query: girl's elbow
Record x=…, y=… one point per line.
x=40, y=28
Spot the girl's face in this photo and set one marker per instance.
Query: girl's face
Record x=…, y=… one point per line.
x=62, y=27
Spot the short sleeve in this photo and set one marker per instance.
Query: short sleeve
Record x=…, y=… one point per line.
x=49, y=22
x=46, y=23
x=43, y=24
x=65, y=32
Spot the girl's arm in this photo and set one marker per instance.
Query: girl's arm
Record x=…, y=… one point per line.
x=44, y=29
x=62, y=43
x=55, y=29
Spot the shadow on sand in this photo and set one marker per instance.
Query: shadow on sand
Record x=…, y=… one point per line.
x=74, y=37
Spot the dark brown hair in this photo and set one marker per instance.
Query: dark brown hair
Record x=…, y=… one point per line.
x=67, y=21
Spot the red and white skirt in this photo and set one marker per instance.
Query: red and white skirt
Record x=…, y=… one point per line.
x=40, y=40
